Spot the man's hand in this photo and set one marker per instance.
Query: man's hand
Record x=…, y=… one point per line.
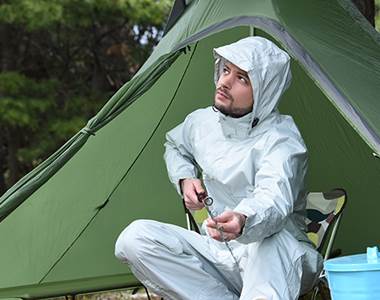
x=231, y=222
x=191, y=188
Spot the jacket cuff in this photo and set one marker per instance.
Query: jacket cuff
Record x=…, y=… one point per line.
x=244, y=237
x=253, y=218
x=175, y=180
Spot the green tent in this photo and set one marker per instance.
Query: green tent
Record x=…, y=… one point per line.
x=60, y=222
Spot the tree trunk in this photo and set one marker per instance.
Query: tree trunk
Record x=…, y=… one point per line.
x=12, y=162
x=3, y=186
x=367, y=8
x=8, y=48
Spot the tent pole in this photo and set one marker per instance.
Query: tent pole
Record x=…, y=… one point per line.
x=251, y=30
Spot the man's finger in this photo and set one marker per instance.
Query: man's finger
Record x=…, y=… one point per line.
x=224, y=217
x=214, y=225
x=229, y=236
x=191, y=200
x=198, y=187
x=214, y=233
x=211, y=223
x=191, y=196
x=230, y=227
x=217, y=235
x=192, y=205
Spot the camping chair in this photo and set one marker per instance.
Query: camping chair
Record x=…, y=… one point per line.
x=323, y=210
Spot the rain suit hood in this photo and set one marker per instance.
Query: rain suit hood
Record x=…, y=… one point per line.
x=268, y=68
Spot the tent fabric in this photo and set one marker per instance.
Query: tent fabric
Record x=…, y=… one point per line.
x=122, y=99
x=60, y=222
x=352, y=111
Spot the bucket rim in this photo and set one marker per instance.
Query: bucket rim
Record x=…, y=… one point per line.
x=352, y=263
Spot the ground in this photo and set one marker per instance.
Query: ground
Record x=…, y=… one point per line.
x=141, y=295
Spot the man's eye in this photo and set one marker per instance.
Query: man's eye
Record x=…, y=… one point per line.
x=243, y=79
x=225, y=70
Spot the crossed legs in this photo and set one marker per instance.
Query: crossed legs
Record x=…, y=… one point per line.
x=180, y=264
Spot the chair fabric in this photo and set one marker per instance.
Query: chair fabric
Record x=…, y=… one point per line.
x=322, y=209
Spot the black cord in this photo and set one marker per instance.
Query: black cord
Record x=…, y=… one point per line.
x=146, y=291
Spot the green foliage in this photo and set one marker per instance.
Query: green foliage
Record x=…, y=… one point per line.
x=31, y=13
x=23, y=100
x=377, y=15
x=62, y=60
x=38, y=14
x=14, y=84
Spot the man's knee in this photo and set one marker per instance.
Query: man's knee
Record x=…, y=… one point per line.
x=132, y=240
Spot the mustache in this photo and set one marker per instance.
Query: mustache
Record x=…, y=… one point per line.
x=224, y=91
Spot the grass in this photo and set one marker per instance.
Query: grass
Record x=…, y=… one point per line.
x=114, y=295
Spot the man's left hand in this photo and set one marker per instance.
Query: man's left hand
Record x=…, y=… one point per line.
x=230, y=222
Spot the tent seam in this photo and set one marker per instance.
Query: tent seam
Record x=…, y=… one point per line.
x=125, y=174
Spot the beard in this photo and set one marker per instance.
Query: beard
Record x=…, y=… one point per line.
x=228, y=109
x=233, y=113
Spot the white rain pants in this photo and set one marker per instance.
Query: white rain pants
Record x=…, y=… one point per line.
x=180, y=264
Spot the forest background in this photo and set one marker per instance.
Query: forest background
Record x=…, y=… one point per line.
x=61, y=60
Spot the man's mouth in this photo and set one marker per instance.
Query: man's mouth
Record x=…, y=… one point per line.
x=223, y=94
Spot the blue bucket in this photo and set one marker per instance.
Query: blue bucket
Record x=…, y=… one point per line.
x=354, y=277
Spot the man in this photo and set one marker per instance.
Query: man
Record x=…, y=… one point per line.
x=253, y=163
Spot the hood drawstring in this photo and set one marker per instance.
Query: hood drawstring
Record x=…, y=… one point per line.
x=254, y=122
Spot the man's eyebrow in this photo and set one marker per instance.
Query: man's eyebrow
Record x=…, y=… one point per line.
x=243, y=74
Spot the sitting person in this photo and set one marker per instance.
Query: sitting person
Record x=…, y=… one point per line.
x=253, y=162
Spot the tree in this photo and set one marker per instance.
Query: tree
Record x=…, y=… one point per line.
x=377, y=14
x=60, y=60
x=367, y=8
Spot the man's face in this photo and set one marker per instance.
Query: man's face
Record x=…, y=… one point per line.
x=234, y=94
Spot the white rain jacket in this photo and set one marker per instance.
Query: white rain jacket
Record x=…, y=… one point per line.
x=256, y=164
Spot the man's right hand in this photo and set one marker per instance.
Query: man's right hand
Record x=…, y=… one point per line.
x=191, y=188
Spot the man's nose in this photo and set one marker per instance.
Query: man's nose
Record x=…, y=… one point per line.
x=226, y=80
